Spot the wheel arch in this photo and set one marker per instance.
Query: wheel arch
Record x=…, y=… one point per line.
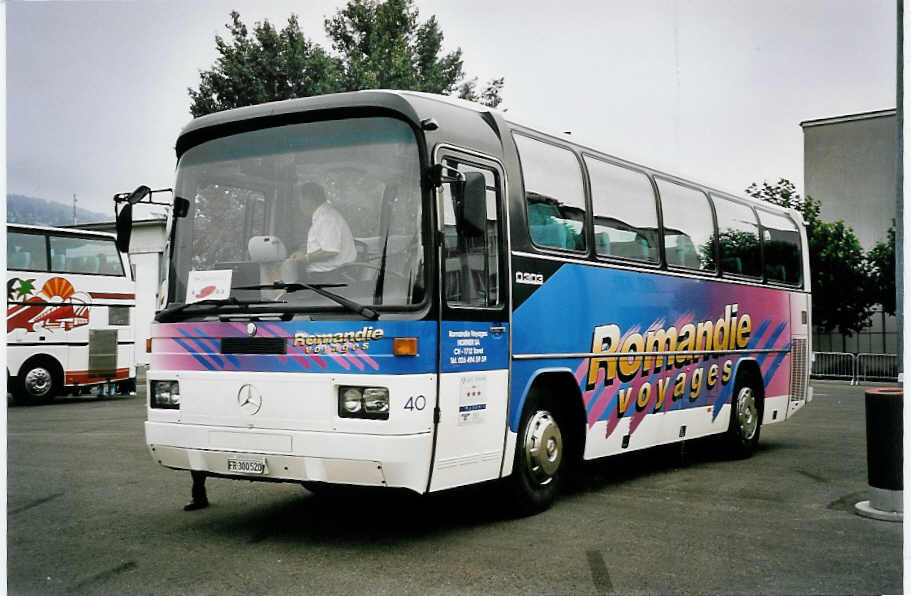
x=559, y=387
x=749, y=368
x=52, y=362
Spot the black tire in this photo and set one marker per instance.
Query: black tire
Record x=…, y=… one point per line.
x=746, y=416
x=38, y=381
x=540, y=458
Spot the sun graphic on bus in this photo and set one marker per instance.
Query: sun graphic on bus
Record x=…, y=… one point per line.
x=57, y=306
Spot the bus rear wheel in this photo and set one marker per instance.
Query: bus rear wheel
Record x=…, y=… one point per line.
x=539, y=460
x=746, y=417
x=37, y=382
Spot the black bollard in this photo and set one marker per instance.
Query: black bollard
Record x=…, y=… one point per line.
x=884, y=411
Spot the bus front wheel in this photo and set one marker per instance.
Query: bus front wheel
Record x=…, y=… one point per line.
x=539, y=459
x=746, y=416
x=37, y=381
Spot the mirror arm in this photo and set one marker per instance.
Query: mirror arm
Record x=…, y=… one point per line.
x=440, y=174
x=124, y=196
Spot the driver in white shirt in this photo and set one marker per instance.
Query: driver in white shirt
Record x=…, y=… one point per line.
x=329, y=241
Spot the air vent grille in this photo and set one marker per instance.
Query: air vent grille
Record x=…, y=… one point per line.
x=800, y=363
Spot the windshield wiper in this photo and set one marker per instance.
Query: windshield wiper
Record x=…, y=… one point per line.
x=364, y=311
x=214, y=304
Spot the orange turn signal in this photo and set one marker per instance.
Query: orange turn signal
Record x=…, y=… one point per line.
x=405, y=346
x=148, y=345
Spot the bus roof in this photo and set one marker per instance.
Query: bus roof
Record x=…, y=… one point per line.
x=418, y=106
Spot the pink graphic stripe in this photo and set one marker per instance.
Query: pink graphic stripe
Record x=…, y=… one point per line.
x=370, y=361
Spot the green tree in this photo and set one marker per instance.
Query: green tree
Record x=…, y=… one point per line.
x=839, y=275
x=373, y=45
x=882, y=272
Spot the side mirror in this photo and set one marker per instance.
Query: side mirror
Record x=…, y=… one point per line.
x=470, y=206
x=139, y=194
x=124, y=227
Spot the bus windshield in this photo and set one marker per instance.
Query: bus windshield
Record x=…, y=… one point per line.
x=335, y=204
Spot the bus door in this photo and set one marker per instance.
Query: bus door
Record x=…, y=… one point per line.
x=474, y=338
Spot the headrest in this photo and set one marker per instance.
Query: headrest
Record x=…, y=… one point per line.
x=266, y=249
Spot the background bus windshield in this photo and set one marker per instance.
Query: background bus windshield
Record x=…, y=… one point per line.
x=323, y=202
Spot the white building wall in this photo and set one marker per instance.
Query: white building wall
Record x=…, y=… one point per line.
x=146, y=267
x=146, y=247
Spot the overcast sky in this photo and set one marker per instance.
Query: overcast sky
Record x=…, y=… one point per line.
x=713, y=90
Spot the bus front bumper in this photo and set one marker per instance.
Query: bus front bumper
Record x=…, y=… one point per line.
x=294, y=456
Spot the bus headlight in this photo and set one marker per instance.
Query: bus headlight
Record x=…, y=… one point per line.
x=351, y=402
x=363, y=402
x=164, y=395
x=376, y=401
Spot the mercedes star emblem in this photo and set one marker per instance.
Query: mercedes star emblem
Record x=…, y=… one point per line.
x=251, y=329
x=249, y=399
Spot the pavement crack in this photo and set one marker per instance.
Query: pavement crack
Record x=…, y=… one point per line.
x=104, y=575
x=812, y=476
x=600, y=576
x=34, y=503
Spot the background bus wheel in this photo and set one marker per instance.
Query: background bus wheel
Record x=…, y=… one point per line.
x=746, y=416
x=539, y=460
x=37, y=382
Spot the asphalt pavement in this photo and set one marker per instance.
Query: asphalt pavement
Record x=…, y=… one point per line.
x=89, y=512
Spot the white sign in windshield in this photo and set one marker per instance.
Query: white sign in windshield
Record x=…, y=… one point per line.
x=208, y=285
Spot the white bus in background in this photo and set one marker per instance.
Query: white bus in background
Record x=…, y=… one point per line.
x=70, y=300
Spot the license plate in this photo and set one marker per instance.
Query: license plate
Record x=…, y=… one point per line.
x=247, y=465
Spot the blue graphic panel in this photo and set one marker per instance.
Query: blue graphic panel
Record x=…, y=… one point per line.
x=467, y=346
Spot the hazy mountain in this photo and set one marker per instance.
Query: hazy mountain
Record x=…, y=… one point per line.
x=41, y=212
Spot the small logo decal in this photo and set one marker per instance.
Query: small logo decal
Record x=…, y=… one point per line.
x=249, y=399
x=251, y=329
x=531, y=279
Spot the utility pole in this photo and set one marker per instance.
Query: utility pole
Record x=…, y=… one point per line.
x=899, y=198
x=74, y=209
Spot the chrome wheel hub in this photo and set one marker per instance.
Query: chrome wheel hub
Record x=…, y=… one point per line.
x=747, y=413
x=38, y=381
x=543, y=446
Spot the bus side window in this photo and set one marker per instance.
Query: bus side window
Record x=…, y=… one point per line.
x=738, y=238
x=689, y=228
x=75, y=254
x=472, y=264
x=26, y=251
x=781, y=243
x=625, y=213
x=554, y=198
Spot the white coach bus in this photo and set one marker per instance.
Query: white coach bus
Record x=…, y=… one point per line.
x=396, y=289
x=70, y=298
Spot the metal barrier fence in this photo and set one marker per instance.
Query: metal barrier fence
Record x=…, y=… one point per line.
x=834, y=365
x=855, y=367
x=876, y=367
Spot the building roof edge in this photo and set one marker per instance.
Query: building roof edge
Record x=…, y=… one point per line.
x=848, y=118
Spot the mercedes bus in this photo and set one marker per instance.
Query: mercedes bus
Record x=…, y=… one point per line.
x=497, y=302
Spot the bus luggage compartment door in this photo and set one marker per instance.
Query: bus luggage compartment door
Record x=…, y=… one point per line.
x=102, y=352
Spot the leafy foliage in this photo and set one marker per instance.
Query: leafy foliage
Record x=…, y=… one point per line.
x=838, y=266
x=374, y=45
x=882, y=272
x=783, y=193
